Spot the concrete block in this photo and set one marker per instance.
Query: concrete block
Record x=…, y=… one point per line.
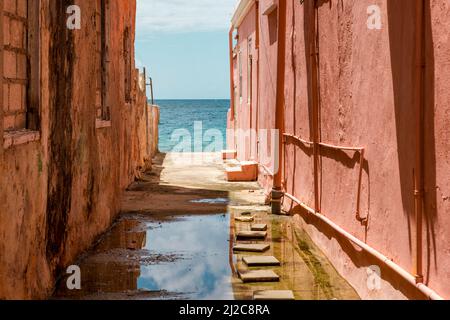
x=246, y=171
x=252, y=234
x=229, y=154
x=259, y=227
x=253, y=261
x=244, y=219
x=258, y=276
x=253, y=247
x=273, y=295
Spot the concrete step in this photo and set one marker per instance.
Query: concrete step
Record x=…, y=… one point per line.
x=252, y=247
x=251, y=235
x=261, y=261
x=232, y=163
x=229, y=154
x=258, y=276
x=273, y=295
x=245, y=219
x=246, y=171
x=259, y=227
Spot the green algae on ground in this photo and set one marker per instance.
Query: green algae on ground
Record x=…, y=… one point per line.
x=321, y=277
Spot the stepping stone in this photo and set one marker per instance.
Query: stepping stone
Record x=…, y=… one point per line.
x=245, y=219
x=259, y=227
x=261, y=261
x=251, y=234
x=254, y=247
x=273, y=295
x=259, y=276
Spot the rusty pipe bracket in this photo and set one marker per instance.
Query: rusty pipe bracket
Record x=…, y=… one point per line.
x=419, y=193
x=277, y=196
x=419, y=279
x=364, y=221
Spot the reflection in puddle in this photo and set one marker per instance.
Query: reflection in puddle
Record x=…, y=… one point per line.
x=184, y=258
x=189, y=258
x=203, y=271
x=211, y=201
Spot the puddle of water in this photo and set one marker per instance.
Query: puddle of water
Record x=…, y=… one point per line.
x=304, y=269
x=203, y=271
x=211, y=201
x=189, y=258
x=185, y=258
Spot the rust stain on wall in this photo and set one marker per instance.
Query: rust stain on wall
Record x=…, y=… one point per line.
x=61, y=74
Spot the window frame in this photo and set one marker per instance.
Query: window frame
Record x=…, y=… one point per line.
x=32, y=95
x=104, y=119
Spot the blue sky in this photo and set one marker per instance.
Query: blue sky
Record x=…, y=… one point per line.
x=184, y=46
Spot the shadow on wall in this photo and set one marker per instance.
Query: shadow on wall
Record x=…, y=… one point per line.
x=359, y=257
x=348, y=159
x=401, y=18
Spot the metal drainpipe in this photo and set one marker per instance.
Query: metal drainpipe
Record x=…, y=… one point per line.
x=257, y=81
x=315, y=105
x=230, y=44
x=253, y=98
x=428, y=292
x=277, y=193
x=419, y=146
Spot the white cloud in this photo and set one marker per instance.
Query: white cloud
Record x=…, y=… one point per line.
x=179, y=16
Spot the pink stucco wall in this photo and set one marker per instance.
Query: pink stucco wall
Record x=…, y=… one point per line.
x=366, y=100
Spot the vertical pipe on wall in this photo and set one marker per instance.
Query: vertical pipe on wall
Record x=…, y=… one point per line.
x=230, y=44
x=315, y=101
x=279, y=111
x=419, y=133
x=257, y=80
x=146, y=109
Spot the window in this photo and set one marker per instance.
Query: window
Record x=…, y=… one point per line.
x=240, y=75
x=127, y=63
x=102, y=23
x=249, y=71
x=20, y=65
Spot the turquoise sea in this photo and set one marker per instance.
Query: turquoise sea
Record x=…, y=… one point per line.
x=181, y=116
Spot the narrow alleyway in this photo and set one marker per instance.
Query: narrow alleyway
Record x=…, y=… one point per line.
x=174, y=240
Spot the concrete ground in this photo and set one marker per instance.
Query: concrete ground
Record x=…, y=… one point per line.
x=174, y=239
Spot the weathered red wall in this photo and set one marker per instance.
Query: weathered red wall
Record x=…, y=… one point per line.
x=366, y=85
x=261, y=113
x=59, y=193
x=243, y=108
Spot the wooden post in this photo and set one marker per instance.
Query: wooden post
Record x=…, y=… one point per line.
x=147, y=123
x=151, y=91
